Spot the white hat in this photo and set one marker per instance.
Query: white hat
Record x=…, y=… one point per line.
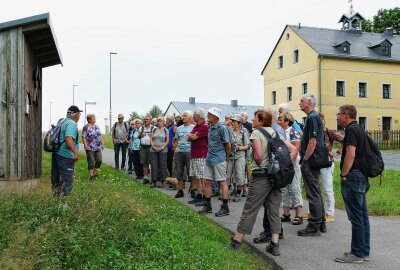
x=215, y=111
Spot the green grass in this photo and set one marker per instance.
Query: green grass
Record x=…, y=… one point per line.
x=107, y=141
x=383, y=200
x=113, y=223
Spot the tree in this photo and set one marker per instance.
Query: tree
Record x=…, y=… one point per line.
x=135, y=115
x=385, y=18
x=155, y=111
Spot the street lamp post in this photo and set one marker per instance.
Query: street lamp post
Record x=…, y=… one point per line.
x=110, y=116
x=88, y=103
x=51, y=102
x=73, y=94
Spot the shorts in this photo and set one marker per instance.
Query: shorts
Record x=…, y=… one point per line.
x=237, y=171
x=197, y=167
x=144, y=155
x=182, y=163
x=216, y=172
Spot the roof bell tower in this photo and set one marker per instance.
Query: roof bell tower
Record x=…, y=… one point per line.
x=352, y=20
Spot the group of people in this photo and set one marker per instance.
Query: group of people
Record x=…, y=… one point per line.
x=230, y=159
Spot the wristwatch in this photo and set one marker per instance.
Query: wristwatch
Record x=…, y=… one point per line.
x=343, y=177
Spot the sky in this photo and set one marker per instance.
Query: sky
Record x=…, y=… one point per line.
x=213, y=50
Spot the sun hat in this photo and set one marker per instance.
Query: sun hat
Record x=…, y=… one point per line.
x=215, y=111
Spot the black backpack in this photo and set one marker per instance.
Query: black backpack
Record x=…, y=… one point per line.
x=280, y=168
x=373, y=164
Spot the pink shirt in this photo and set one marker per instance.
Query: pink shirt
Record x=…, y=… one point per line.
x=198, y=148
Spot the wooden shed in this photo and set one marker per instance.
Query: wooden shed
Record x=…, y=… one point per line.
x=26, y=47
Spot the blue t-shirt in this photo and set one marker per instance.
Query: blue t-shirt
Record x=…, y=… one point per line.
x=218, y=136
x=134, y=136
x=68, y=129
x=182, y=134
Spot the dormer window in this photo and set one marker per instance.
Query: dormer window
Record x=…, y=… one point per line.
x=343, y=46
x=385, y=50
x=382, y=47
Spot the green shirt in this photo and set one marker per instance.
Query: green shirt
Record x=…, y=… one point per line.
x=68, y=129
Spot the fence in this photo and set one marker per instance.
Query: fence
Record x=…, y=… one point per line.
x=386, y=139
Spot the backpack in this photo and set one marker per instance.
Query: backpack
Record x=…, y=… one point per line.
x=280, y=168
x=373, y=164
x=52, y=141
x=126, y=125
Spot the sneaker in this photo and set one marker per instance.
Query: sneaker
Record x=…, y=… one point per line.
x=349, y=258
x=273, y=249
x=179, y=194
x=237, y=197
x=263, y=238
x=306, y=216
x=312, y=229
x=224, y=211
x=146, y=181
x=244, y=193
x=235, y=244
x=322, y=227
x=329, y=218
x=365, y=258
x=201, y=202
x=206, y=209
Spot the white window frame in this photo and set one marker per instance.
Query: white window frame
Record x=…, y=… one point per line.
x=366, y=89
x=344, y=88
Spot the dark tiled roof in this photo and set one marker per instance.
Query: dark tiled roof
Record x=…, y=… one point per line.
x=323, y=41
x=225, y=108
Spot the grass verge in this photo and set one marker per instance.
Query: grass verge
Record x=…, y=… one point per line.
x=107, y=141
x=382, y=200
x=113, y=223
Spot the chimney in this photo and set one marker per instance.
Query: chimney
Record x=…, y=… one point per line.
x=299, y=25
x=389, y=32
x=234, y=103
x=192, y=100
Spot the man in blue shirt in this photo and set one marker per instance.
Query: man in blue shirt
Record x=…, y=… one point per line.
x=63, y=161
x=219, y=149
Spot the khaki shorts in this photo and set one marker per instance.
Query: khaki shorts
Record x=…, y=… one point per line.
x=216, y=172
x=144, y=155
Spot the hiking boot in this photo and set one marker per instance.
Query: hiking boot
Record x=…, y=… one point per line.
x=235, y=244
x=179, y=194
x=193, y=194
x=273, y=249
x=322, y=227
x=206, y=209
x=365, y=258
x=312, y=229
x=194, y=201
x=263, y=238
x=349, y=258
x=244, y=193
x=146, y=181
x=201, y=202
x=237, y=197
x=224, y=211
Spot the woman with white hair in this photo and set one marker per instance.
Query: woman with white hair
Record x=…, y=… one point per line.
x=93, y=144
x=158, y=153
x=240, y=143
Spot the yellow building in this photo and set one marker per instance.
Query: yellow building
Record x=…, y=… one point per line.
x=339, y=67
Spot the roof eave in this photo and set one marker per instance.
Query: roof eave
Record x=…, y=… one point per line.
x=359, y=58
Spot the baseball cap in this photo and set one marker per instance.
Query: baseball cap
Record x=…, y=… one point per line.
x=215, y=111
x=74, y=109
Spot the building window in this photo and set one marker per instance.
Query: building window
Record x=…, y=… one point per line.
x=340, y=88
x=295, y=56
x=346, y=49
x=289, y=93
x=385, y=50
x=362, y=89
x=273, y=98
x=386, y=91
x=280, y=61
x=362, y=121
x=304, y=88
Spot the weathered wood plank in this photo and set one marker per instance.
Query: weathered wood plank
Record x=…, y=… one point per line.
x=3, y=111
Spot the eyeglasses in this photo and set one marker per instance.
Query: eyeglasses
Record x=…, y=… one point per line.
x=160, y=121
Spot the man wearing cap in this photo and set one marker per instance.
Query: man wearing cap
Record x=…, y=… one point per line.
x=120, y=140
x=63, y=161
x=219, y=149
